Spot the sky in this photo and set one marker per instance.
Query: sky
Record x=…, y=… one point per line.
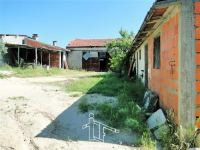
x=66, y=20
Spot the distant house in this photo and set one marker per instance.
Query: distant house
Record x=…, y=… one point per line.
x=166, y=56
x=28, y=50
x=88, y=54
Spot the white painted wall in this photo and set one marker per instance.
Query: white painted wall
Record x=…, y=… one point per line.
x=1, y=60
x=76, y=54
x=75, y=59
x=141, y=63
x=13, y=39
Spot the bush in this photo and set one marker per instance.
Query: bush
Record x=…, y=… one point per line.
x=84, y=106
x=132, y=123
x=118, y=50
x=147, y=141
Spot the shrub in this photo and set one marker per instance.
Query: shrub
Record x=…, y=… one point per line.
x=132, y=123
x=84, y=106
x=118, y=50
x=147, y=141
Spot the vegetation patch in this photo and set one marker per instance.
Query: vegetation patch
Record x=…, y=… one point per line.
x=84, y=106
x=125, y=113
x=2, y=76
x=17, y=98
x=178, y=138
x=39, y=71
x=107, y=84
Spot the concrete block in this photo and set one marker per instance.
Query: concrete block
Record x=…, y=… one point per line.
x=156, y=119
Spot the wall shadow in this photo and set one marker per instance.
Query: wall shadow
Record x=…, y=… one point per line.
x=68, y=125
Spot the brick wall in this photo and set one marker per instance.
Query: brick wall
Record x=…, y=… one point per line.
x=197, y=36
x=165, y=80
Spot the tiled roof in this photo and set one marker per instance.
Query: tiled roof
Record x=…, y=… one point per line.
x=37, y=44
x=88, y=43
x=154, y=15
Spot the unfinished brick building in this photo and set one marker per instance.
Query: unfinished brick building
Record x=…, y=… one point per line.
x=166, y=56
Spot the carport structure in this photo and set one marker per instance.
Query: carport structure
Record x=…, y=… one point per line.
x=29, y=51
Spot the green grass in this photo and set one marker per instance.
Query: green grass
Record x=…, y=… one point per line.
x=125, y=113
x=83, y=85
x=107, y=84
x=84, y=106
x=2, y=76
x=38, y=71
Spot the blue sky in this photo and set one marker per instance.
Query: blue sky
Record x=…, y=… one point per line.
x=65, y=20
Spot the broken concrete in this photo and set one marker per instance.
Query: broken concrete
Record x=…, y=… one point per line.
x=156, y=119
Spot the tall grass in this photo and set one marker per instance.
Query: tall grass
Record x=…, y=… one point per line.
x=126, y=112
x=107, y=84
x=39, y=71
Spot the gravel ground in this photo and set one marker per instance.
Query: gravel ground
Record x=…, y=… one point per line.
x=37, y=116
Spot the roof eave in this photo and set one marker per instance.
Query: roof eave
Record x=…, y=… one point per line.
x=156, y=5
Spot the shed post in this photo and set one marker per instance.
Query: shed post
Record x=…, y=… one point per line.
x=41, y=57
x=18, y=54
x=36, y=56
x=60, y=63
x=49, y=59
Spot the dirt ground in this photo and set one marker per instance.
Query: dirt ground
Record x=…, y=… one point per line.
x=38, y=116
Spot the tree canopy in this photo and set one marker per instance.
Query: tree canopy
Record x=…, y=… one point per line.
x=118, y=50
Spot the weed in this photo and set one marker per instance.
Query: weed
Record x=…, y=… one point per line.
x=147, y=141
x=75, y=94
x=38, y=71
x=107, y=84
x=178, y=138
x=132, y=123
x=84, y=106
x=17, y=98
x=125, y=113
x=2, y=76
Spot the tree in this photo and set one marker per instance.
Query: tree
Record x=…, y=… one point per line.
x=3, y=51
x=119, y=51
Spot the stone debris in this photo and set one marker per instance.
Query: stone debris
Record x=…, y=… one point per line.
x=156, y=119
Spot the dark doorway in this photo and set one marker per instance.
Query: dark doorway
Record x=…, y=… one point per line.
x=62, y=64
x=98, y=61
x=89, y=62
x=103, y=61
x=146, y=65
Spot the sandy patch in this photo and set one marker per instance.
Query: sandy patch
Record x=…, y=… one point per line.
x=39, y=117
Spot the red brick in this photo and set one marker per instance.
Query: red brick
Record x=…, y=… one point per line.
x=197, y=7
x=197, y=20
x=198, y=99
x=198, y=74
x=198, y=58
x=197, y=45
x=198, y=86
x=197, y=33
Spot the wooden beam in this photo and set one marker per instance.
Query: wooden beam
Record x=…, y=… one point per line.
x=18, y=55
x=49, y=60
x=36, y=58
x=164, y=4
x=60, y=62
x=41, y=57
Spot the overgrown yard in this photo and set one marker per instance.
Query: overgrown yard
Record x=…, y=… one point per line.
x=42, y=114
x=126, y=113
x=38, y=71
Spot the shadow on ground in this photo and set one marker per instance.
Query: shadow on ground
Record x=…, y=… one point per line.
x=68, y=125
